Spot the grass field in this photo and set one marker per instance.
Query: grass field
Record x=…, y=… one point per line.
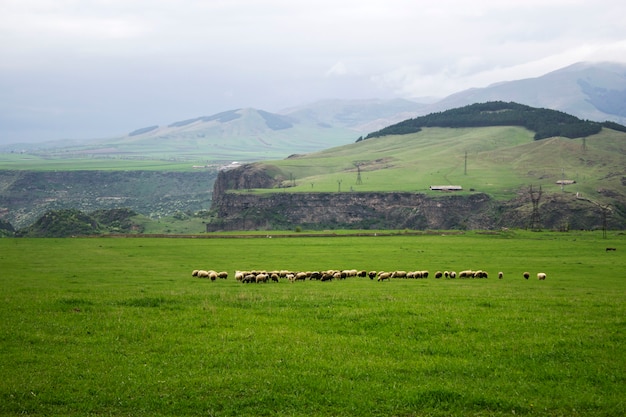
x=494, y=160
x=117, y=326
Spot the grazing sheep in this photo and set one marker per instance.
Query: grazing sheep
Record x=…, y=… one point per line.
x=239, y=275
x=424, y=274
x=438, y=274
x=398, y=274
x=541, y=276
x=466, y=274
x=481, y=274
x=248, y=279
x=446, y=274
x=453, y=274
x=274, y=277
x=326, y=276
x=194, y=273
x=300, y=276
x=500, y=275
x=261, y=278
x=384, y=276
x=212, y=275
x=222, y=275
x=526, y=275
x=372, y=274
x=203, y=274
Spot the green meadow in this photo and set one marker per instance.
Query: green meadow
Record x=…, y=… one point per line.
x=495, y=160
x=118, y=326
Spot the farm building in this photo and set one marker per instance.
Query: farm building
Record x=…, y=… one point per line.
x=445, y=188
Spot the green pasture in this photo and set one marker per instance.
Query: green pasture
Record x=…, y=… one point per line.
x=494, y=160
x=16, y=161
x=117, y=326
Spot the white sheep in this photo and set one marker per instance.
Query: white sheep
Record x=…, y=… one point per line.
x=500, y=275
x=541, y=276
x=384, y=276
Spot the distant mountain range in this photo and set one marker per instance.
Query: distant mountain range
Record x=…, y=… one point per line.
x=593, y=91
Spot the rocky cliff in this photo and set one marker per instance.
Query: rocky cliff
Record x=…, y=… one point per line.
x=238, y=209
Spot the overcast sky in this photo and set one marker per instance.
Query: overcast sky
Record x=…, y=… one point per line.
x=101, y=68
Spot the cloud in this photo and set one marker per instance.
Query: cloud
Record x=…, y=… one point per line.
x=145, y=62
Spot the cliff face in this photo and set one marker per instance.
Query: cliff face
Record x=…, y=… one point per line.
x=389, y=210
x=240, y=211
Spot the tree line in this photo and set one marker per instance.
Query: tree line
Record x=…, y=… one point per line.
x=544, y=122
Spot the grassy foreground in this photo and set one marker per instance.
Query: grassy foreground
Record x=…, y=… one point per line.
x=114, y=326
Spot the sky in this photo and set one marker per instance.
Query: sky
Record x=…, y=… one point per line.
x=79, y=69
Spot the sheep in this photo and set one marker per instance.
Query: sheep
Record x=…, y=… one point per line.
x=384, y=276
x=212, y=275
x=203, y=274
x=222, y=275
x=481, y=274
x=194, y=273
x=500, y=275
x=274, y=277
x=239, y=275
x=453, y=274
x=372, y=274
x=424, y=274
x=300, y=276
x=526, y=275
x=446, y=274
x=438, y=274
x=541, y=276
x=398, y=274
x=362, y=273
x=466, y=274
x=326, y=276
x=261, y=278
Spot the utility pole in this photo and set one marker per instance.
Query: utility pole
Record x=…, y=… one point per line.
x=534, y=218
x=339, y=186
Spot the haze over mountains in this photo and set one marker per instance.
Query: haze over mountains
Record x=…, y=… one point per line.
x=594, y=91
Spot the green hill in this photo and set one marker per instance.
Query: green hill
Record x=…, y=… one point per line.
x=496, y=160
x=544, y=122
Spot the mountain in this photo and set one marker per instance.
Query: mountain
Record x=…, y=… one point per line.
x=243, y=134
x=590, y=91
x=593, y=91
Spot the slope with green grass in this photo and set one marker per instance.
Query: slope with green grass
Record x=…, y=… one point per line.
x=501, y=162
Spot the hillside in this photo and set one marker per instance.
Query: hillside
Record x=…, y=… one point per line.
x=544, y=122
x=238, y=135
x=499, y=162
x=588, y=90
x=27, y=195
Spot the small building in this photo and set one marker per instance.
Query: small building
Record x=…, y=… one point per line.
x=445, y=188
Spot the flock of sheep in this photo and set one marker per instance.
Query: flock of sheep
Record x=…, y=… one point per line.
x=262, y=276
